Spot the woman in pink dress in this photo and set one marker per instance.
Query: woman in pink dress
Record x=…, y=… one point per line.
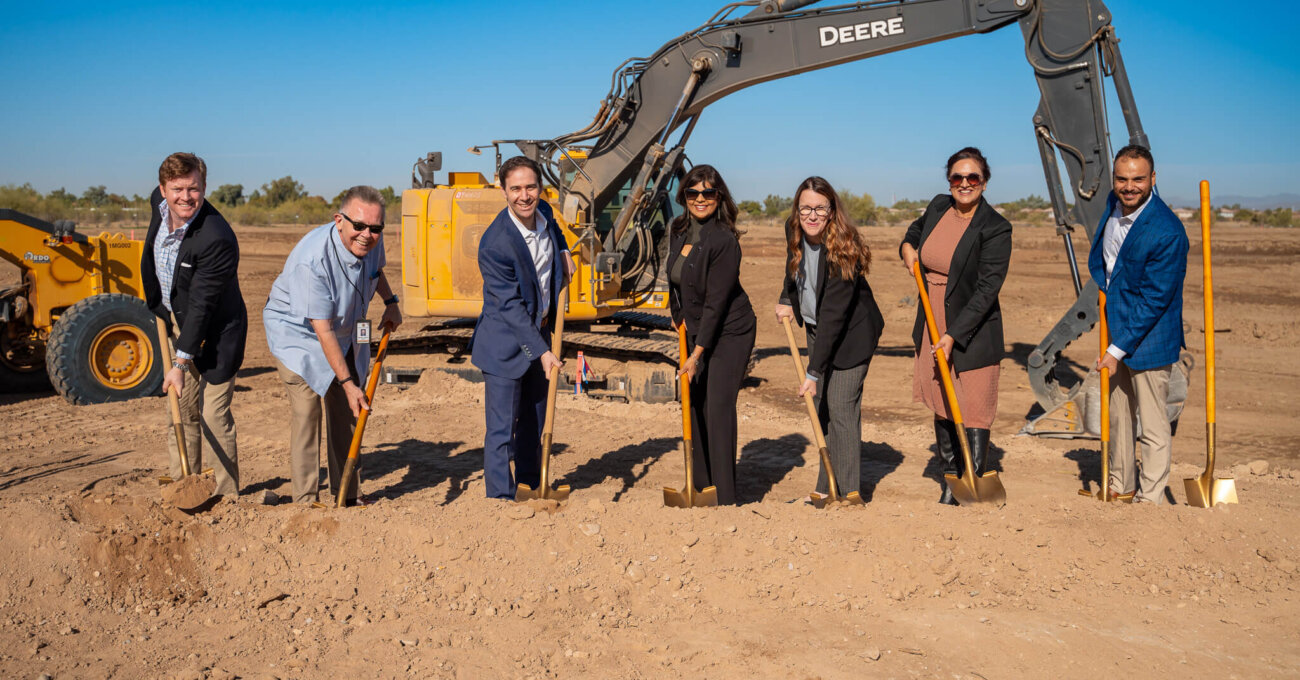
x=964, y=247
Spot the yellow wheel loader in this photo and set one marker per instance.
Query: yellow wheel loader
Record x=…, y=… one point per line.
x=76, y=320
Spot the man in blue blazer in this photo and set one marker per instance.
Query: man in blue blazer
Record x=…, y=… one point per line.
x=524, y=262
x=1139, y=258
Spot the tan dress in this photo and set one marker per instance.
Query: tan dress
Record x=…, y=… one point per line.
x=977, y=389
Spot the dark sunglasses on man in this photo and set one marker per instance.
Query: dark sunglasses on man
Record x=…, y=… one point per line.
x=362, y=226
x=708, y=194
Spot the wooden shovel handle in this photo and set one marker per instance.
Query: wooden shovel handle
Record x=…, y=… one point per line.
x=173, y=399
x=799, y=374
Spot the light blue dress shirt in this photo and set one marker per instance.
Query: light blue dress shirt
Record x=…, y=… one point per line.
x=321, y=280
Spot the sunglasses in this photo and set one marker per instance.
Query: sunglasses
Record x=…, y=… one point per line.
x=362, y=226
x=973, y=179
x=708, y=194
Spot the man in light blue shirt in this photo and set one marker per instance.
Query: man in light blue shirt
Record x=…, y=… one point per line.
x=312, y=318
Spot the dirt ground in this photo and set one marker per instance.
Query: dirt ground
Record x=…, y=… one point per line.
x=99, y=579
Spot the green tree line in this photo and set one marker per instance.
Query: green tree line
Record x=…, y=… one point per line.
x=280, y=201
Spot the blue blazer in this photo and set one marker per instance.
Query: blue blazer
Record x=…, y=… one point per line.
x=1144, y=301
x=509, y=333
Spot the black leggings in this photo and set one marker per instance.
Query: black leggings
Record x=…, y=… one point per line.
x=713, y=413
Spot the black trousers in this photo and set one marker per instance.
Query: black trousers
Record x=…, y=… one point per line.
x=713, y=413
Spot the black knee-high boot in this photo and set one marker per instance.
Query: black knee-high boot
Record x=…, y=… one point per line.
x=979, y=448
x=945, y=437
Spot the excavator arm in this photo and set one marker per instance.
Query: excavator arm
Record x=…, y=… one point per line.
x=629, y=146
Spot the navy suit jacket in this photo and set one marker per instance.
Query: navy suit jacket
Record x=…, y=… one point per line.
x=1144, y=301
x=509, y=333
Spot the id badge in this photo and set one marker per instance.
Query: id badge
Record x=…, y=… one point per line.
x=363, y=331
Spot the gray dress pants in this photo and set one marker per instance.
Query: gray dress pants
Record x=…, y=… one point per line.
x=839, y=407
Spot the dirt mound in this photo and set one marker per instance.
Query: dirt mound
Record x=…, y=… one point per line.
x=188, y=493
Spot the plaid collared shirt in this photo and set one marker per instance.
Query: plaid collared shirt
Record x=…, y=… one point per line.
x=166, y=245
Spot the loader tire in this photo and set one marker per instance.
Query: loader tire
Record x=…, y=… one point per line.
x=105, y=348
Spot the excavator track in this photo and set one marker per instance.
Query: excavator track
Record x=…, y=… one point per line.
x=633, y=355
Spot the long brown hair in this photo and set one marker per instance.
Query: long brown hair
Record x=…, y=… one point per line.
x=727, y=210
x=845, y=249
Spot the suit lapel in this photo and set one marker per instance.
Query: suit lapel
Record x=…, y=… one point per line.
x=821, y=273
x=529, y=277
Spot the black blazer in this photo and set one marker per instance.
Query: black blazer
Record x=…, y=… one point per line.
x=979, y=266
x=849, y=322
x=710, y=297
x=205, y=292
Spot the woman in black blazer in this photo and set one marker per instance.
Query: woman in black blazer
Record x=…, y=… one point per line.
x=705, y=294
x=826, y=291
x=964, y=247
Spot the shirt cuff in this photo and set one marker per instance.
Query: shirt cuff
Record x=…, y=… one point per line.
x=1116, y=352
x=184, y=355
x=809, y=376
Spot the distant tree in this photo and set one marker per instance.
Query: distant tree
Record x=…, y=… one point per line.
x=774, y=205
x=909, y=204
x=391, y=197
x=1031, y=202
x=861, y=209
x=751, y=208
x=283, y=190
x=96, y=196
x=61, y=196
x=228, y=194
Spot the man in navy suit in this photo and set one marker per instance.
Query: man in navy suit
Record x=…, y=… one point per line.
x=524, y=262
x=1139, y=258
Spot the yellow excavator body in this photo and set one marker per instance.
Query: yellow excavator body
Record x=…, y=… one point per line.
x=440, y=232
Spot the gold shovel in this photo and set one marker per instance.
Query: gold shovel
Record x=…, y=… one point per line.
x=1206, y=491
x=688, y=497
x=1104, y=493
x=559, y=494
x=818, y=500
x=198, y=491
x=968, y=488
x=350, y=467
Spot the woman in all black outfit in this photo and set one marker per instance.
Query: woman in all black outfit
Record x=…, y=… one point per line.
x=705, y=294
x=964, y=247
x=826, y=291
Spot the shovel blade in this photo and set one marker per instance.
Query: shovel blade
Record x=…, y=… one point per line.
x=854, y=498
x=707, y=498
x=675, y=499
x=1206, y=493
x=823, y=501
x=559, y=494
x=989, y=489
x=819, y=500
x=962, y=491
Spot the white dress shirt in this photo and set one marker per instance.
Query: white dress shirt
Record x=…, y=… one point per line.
x=538, y=240
x=1117, y=228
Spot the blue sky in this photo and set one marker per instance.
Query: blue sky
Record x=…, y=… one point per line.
x=338, y=93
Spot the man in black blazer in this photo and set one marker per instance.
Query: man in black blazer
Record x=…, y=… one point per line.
x=190, y=269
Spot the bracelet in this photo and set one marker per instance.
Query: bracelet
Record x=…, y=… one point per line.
x=341, y=382
x=176, y=363
x=391, y=300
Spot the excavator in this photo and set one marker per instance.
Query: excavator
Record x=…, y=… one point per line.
x=613, y=180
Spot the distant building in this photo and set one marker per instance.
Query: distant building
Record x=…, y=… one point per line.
x=1226, y=214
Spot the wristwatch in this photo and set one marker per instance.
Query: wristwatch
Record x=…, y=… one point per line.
x=177, y=363
x=391, y=300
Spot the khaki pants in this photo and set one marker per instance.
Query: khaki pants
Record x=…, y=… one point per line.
x=304, y=436
x=215, y=425
x=1134, y=394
